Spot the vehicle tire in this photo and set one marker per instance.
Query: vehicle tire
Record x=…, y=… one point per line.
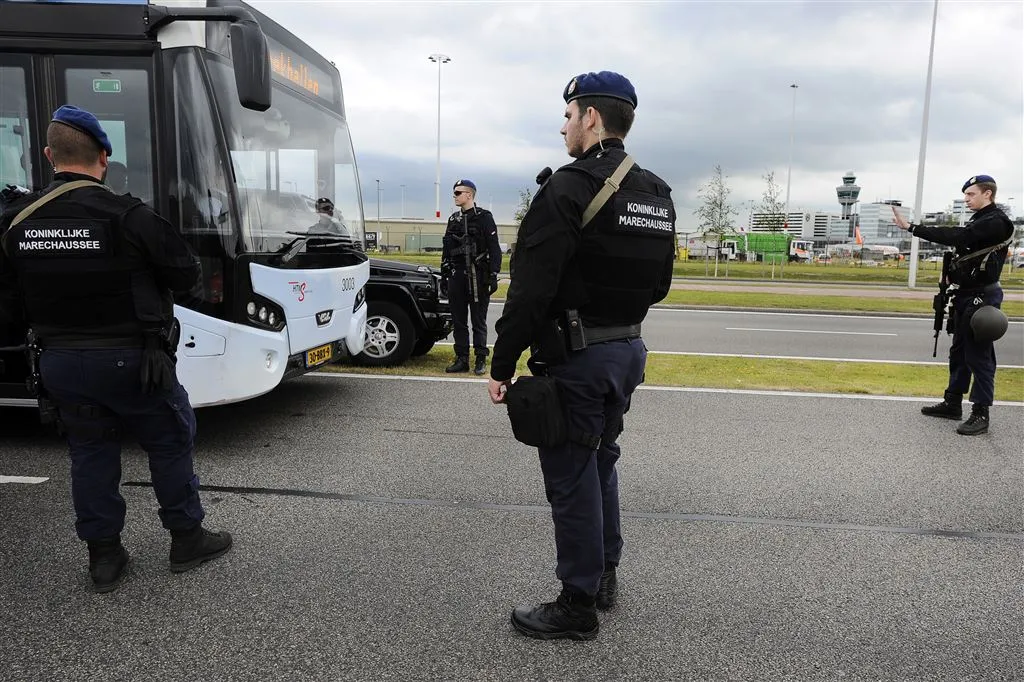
x=422, y=347
x=389, y=337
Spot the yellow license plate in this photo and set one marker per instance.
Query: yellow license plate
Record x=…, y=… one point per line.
x=319, y=355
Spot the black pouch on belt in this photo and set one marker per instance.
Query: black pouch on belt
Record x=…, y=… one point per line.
x=536, y=412
x=158, y=370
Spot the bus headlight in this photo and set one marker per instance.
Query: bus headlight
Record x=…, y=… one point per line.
x=264, y=314
x=360, y=298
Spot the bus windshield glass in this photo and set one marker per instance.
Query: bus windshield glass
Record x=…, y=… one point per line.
x=293, y=165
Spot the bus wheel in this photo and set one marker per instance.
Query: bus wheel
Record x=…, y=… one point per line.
x=389, y=336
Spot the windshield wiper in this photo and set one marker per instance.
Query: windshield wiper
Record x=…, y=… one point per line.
x=290, y=249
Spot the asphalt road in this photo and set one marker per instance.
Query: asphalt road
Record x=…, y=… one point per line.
x=846, y=337
x=378, y=537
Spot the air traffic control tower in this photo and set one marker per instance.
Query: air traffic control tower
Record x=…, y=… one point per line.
x=848, y=193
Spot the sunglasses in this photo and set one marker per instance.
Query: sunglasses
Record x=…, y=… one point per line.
x=460, y=191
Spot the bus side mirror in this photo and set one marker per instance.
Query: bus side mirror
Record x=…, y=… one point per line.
x=251, y=59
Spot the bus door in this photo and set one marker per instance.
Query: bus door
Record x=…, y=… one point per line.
x=118, y=89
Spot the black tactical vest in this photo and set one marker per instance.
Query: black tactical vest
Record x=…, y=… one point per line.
x=623, y=251
x=75, y=269
x=972, y=272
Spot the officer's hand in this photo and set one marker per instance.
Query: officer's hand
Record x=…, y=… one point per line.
x=496, y=389
x=900, y=220
x=492, y=284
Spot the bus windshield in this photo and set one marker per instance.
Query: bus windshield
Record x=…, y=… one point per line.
x=286, y=159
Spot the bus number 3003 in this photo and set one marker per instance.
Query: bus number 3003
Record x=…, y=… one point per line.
x=348, y=283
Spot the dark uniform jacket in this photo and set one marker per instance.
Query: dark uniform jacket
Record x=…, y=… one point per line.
x=986, y=228
x=483, y=234
x=611, y=272
x=94, y=267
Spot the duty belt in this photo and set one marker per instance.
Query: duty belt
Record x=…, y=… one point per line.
x=973, y=291
x=602, y=334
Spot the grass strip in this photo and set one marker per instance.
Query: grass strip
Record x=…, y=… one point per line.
x=818, y=376
x=768, y=301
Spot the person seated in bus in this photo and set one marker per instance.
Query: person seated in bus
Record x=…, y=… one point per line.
x=327, y=222
x=96, y=272
x=117, y=177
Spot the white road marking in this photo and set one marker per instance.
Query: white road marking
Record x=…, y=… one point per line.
x=31, y=480
x=806, y=331
x=851, y=316
x=670, y=389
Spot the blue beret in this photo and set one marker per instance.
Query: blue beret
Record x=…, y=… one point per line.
x=976, y=179
x=601, y=84
x=465, y=183
x=83, y=121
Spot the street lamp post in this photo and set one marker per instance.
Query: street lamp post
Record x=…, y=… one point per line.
x=403, y=200
x=919, y=196
x=439, y=59
x=789, y=173
x=378, y=207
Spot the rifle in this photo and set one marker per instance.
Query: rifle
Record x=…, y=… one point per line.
x=942, y=300
x=469, y=245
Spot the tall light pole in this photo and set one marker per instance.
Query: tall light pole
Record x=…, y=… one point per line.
x=440, y=59
x=915, y=243
x=789, y=173
x=403, y=201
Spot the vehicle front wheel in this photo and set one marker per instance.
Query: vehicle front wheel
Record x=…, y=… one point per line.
x=389, y=336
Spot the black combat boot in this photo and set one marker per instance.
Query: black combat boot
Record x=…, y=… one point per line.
x=107, y=561
x=191, y=547
x=461, y=364
x=571, y=616
x=608, y=589
x=481, y=365
x=976, y=424
x=950, y=408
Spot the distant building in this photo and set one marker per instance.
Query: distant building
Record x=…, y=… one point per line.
x=804, y=224
x=877, y=225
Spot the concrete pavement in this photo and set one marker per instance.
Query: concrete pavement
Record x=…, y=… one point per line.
x=385, y=528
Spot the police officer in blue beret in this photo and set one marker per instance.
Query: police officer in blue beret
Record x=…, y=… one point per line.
x=980, y=249
x=594, y=251
x=470, y=263
x=96, y=272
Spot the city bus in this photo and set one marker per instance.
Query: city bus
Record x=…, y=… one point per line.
x=232, y=129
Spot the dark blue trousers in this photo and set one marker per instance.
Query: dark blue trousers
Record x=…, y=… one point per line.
x=99, y=396
x=582, y=484
x=970, y=357
x=464, y=311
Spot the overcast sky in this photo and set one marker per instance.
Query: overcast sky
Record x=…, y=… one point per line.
x=712, y=80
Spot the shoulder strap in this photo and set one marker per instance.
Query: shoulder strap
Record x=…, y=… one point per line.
x=983, y=252
x=53, y=194
x=610, y=187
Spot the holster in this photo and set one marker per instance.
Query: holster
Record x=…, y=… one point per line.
x=536, y=412
x=158, y=373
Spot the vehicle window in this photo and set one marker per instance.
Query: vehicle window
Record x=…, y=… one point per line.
x=285, y=159
x=199, y=199
x=120, y=99
x=15, y=138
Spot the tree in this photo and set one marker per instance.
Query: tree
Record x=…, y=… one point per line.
x=524, y=204
x=771, y=207
x=714, y=215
